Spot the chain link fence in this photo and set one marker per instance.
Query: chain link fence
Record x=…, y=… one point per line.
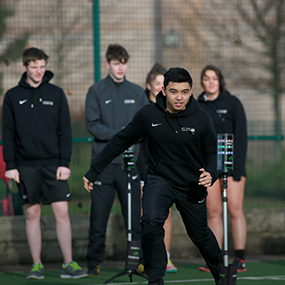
x=246, y=39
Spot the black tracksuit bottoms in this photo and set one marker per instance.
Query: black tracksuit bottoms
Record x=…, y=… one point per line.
x=158, y=196
x=112, y=179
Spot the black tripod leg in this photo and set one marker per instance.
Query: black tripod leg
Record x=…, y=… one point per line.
x=129, y=272
x=139, y=274
x=124, y=272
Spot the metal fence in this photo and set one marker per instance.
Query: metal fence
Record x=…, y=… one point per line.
x=246, y=39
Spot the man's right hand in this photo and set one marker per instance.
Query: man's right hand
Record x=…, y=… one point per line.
x=13, y=174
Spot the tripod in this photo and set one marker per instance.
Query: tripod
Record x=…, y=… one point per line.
x=225, y=220
x=228, y=272
x=132, y=258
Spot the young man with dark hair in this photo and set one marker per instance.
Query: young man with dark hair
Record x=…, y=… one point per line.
x=37, y=146
x=182, y=164
x=110, y=105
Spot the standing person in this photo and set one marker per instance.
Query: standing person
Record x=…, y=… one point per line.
x=228, y=116
x=37, y=146
x=110, y=105
x=154, y=83
x=182, y=163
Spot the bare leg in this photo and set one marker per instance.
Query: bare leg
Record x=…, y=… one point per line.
x=168, y=232
x=215, y=211
x=235, y=208
x=63, y=229
x=33, y=231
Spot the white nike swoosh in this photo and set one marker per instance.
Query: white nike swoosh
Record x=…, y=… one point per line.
x=155, y=125
x=200, y=202
x=23, y=101
x=134, y=177
x=108, y=101
x=67, y=195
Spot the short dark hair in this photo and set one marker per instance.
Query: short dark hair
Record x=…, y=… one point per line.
x=177, y=74
x=116, y=51
x=219, y=75
x=33, y=54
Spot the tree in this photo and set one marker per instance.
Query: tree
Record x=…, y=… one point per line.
x=267, y=21
x=14, y=47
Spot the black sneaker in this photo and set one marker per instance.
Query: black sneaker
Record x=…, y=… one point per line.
x=240, y=264
x=94, y=272
x=157, y=282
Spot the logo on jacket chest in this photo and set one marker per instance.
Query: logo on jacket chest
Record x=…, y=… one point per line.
x=129, y=101
x=188, y=129
x=222, y=111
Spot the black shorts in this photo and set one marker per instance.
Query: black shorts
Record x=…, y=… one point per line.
x=38, y=184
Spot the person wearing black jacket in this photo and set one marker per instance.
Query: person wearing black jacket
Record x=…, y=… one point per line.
x=154, y=83
x=37, y=144
x=228, y=116
x=181, y=165
x=110, y=105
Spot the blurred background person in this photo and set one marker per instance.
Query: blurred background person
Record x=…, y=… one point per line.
x=228, y=116
x=37, y=144
x=110, y=105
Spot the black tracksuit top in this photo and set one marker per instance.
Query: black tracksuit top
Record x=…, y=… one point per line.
x=179, y=144
x=228, y=116
x=36, y=125
x=109, y=107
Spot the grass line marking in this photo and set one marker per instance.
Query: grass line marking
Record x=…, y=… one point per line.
x=277, y=278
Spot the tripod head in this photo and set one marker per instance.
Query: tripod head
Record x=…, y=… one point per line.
x=225, y=154
x=128, y=159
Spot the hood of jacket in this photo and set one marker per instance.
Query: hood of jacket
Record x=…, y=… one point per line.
x=221, y=96
x=191, y=107
x=46, y=78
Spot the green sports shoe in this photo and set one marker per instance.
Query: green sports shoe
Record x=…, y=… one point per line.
x=37, y=272
x=72, y=270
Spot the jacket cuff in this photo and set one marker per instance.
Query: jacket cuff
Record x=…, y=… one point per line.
x=214, y=175
x=64, y=162
x=91, y=175
x=11, y=164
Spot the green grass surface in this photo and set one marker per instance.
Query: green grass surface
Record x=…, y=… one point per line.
x=259, y=273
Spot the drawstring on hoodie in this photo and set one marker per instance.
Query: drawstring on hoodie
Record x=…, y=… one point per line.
x=169, y=123
x=178, y=121
x=191, y=107
x=189, y=130
x=32, y=96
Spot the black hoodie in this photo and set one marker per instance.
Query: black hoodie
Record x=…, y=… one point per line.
x=229, y=117
x=36, y=125
x=179, y=144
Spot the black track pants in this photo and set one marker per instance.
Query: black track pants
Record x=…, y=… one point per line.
x=112, y=179
x=158, y=197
